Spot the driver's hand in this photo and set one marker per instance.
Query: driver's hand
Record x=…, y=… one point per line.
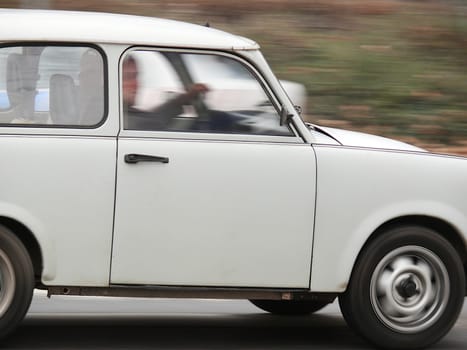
x=196, y=89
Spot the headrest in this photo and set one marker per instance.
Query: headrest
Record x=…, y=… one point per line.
x=21, y=72
x=91, y=87
x=62, y=100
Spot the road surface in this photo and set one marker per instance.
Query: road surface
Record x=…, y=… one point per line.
x=124, y=323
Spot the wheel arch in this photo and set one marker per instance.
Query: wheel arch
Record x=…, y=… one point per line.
x=441, y=227
x=29, y=241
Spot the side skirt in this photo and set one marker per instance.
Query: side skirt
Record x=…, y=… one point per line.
x=190, y=292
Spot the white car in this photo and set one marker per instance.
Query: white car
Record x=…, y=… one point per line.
x=169, y=161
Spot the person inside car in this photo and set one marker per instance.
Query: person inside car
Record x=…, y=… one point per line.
x=159, y=117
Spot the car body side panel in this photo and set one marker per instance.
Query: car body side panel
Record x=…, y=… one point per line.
x=62, y=189
x=225, y=214
x=360, y=189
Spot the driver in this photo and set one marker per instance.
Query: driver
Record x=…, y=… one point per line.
x=159, y=117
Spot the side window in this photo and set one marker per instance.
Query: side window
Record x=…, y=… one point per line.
x=51, y=85
x=187, y=92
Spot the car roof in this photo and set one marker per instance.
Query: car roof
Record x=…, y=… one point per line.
x=96, y=27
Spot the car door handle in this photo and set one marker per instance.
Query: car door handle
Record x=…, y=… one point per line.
x=133, y=158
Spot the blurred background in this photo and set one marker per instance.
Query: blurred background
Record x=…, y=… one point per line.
x=395, y=68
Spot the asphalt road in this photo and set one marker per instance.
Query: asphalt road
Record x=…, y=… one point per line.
x=124, y=323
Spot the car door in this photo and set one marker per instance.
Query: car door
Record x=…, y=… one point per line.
x=218, y=194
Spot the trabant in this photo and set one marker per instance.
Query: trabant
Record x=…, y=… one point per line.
x=144, y=157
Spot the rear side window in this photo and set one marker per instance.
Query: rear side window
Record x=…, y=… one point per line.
x=51, y=86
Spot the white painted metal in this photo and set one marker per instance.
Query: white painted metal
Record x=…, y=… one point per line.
x=359, y=139
x=69, y=26
x=62, y=189
x=218, y=214
x=360, y=189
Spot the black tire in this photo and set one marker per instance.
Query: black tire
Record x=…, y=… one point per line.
x=406, y=290
x=16, y=281
x=290, y=307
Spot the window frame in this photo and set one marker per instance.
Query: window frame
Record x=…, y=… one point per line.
x=294, y=138
x=105, y=65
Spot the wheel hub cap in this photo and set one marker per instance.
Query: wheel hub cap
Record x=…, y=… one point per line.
x=409, y=289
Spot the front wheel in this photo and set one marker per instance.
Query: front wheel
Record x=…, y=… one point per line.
x=406, y=290
x=16, y=281
x=290, y=307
